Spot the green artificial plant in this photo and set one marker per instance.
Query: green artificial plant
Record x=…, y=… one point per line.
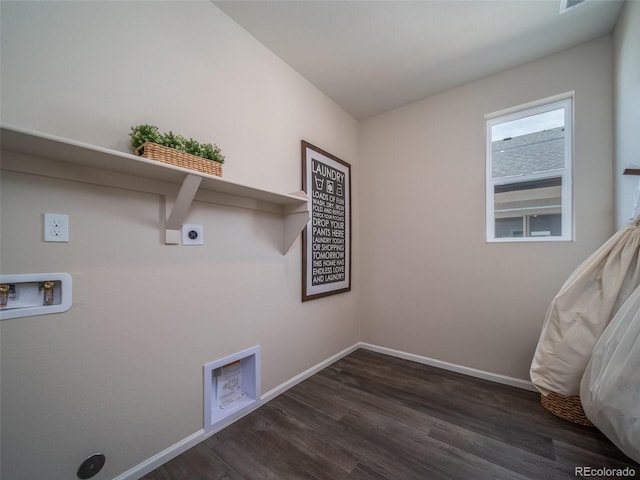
x=150, y=133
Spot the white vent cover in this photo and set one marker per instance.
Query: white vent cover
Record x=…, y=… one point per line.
x=566, y=5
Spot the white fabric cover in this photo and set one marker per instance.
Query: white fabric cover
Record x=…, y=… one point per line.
x=610, y=388
x=582, y=309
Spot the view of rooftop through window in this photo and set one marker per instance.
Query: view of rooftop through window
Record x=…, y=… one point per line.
x=528, y=145
x=528, y=176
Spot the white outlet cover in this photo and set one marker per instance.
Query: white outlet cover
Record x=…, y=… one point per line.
x=192, y=235
x=56, y=227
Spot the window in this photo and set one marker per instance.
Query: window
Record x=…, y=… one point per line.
x=528, y=179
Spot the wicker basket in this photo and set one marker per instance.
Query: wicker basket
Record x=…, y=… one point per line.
x=153, y=151
x=566, y=407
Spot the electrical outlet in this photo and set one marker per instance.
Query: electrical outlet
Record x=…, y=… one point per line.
x=56, y=227
x=192, y=235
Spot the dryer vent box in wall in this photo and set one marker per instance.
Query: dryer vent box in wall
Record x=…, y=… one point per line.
x=231, y=387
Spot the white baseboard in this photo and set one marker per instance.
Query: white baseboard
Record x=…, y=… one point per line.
x=192, y=440
x=150, y=464
x=283, y=387
x=472, y=372
x=183, y=445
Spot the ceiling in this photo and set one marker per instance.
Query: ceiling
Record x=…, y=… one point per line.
x=373, y=56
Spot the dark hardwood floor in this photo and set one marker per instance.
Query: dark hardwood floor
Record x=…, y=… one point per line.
x=371, y=416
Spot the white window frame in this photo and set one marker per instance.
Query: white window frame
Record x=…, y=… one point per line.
x=561, y=101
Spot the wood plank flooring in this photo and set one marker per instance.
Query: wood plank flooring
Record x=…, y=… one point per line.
x=374, y=417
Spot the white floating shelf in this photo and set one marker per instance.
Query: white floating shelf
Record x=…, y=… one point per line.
x=294, y=207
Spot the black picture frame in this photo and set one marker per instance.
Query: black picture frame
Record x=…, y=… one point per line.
x=326, y=239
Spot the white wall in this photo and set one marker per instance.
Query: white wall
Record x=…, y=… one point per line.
x=121, y=372
x=626, y=45
x=435, y=287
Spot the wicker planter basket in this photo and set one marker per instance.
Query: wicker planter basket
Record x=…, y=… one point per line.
x=566, y=407
x=153, y=151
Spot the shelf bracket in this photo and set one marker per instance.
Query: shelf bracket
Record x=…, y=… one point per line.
x=173, y=224
x=294, y=222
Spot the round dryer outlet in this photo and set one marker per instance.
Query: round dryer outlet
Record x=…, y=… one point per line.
x=192, y=235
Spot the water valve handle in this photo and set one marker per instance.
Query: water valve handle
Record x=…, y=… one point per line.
x=4, y=294
x=48, y=293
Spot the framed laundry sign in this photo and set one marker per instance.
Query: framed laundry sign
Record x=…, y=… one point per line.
x=326, y=240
